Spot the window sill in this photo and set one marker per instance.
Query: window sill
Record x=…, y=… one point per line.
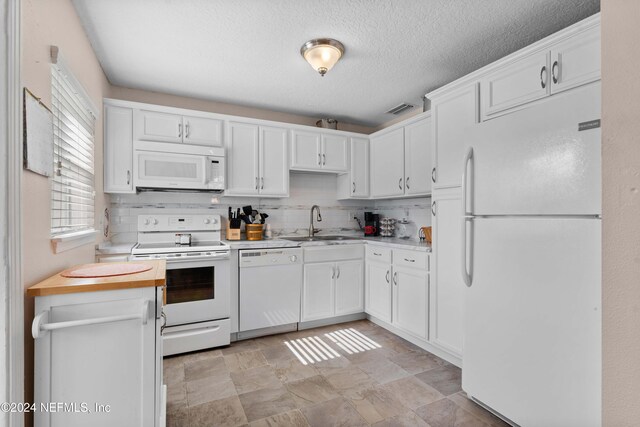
x=65, y=242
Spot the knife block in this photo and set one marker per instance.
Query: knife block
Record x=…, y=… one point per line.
x=233, y=233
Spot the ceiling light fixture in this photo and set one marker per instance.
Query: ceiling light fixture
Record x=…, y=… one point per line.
x=322, y=54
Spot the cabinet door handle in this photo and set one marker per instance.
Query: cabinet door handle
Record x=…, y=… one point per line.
x=433, y=175
x=319, y=159
x=186, y=130
x=324, y=159
x=543, y=80
x=338, y=274
x=410, y=260
x=128, y=177
x=400, y=184
x=333, y=272
x=179, y=130
x=406, y=184
x=387, y=276
x=256, y=182
x=354, y=187
x=555, y=67
x=433, y=208
x=395, y=278
x=262, y=183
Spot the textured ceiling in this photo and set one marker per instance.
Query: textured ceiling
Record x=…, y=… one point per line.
x=246, y=52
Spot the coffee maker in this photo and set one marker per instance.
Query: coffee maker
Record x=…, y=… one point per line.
x=371, y=224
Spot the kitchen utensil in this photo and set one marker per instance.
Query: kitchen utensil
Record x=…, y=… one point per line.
x=245, y=218
x=425, y=234
x=247, y=210
x=405, y=229
x=254, y=231
x=387, y=227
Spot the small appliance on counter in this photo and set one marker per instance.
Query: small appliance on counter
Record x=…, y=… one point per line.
x=405, y=229
x=371, y=224
x=425, y=234
x=387, y=227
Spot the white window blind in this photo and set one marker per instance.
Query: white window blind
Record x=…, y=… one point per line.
x=72, y=191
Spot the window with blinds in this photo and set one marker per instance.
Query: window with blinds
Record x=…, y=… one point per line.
x=72, y=190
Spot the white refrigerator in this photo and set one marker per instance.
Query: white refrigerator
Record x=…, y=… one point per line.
x=532, y=263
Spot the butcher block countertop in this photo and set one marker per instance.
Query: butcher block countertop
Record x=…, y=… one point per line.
x=58, y=284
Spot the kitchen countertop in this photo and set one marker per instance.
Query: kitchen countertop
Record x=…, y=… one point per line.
x=108, y=248
x=57, y=284
x=393, y=242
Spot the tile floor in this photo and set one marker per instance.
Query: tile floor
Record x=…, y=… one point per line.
x=262, y=382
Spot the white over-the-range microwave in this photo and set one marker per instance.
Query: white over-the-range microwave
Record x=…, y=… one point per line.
x=166, y=166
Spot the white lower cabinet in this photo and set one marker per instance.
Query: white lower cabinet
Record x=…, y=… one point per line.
x=397, y=289
x=447, y=289
x=378, y=290
x=318, y=291
x=333, y=283
x=99, y=348
x=411, y=300
x=349, y=287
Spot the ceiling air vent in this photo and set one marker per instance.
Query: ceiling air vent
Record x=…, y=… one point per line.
x=399, y=109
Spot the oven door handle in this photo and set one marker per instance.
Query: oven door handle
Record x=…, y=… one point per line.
x=179, y=260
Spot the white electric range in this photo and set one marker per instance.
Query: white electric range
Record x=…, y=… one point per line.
x=198, y=283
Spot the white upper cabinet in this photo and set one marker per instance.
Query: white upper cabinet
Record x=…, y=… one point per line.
x=417, y=158
x=202, y=131
x=387, y=164
x=355, y=183
x=157, y=126
x=160, y=126
x=334, y=153
x=563, y=61
x=453, y=114
x=316, y=151
x=305, y=150
x=257, y=161
x=401, y=160
x=274, y=164
x=243, y=159
x=118, y=149
x=576, y=61
x=522, y=81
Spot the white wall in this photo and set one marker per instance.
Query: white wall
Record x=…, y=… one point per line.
x=4, y=142
x=621, y=212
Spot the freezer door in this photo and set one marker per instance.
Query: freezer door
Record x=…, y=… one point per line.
x=532, y=343
x=536, y=161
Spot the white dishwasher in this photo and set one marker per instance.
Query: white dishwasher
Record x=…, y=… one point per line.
x=270, y=286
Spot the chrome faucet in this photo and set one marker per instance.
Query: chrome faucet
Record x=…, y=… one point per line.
x=313, y=230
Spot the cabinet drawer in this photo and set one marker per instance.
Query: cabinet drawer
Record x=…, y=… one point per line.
x=379, y=253
x=333, y=253
x=413, y=259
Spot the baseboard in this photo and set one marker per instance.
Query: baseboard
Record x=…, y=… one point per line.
x=330, y=321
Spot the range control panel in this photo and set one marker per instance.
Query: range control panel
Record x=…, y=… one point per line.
x=179, y=222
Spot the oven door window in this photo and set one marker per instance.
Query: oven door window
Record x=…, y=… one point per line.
x=190, y=284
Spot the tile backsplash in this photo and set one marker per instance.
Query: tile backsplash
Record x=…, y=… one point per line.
x=287, y=216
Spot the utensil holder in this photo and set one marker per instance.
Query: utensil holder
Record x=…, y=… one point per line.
x=233, y=233
x=254, y=231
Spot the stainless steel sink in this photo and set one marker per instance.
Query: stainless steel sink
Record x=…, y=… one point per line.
x=319, y=238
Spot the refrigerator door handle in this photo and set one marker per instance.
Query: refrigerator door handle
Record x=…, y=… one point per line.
x=466, y=217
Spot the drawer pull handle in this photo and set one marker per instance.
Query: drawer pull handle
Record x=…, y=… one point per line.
x=377, y=254
x=410, y=260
